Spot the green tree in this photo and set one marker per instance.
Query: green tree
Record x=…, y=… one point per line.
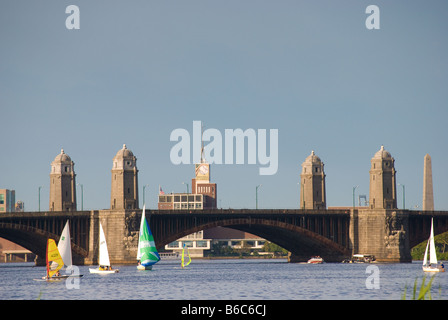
x=276, y=249
x=441, y=243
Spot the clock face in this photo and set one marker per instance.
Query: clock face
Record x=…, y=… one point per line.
x=203, y=169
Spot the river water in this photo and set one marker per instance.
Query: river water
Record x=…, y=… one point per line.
x=232, y=279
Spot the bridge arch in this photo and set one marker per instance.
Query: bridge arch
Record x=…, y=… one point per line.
x=35, y=239
x=302, y=243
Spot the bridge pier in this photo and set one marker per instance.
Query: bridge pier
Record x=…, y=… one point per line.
x=121, y=229
x=381, y=232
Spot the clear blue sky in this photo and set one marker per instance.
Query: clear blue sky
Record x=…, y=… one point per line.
x=137, y=70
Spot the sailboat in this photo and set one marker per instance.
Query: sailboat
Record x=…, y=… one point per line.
x=54, y=263
x=65, y=248
x=183, y=263
x=433, y=266
x=104, y=267
x=147, y=254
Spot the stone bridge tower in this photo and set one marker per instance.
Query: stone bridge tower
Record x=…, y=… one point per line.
x=62, y=184
x=124, y=187
x=383, y=189
x=312, y=183
x=381, y=229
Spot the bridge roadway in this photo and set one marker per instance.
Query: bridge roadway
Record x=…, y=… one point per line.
x=332, y=234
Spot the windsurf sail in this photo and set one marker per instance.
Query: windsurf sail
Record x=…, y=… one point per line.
x=54, y=259
x=146, y=252
x=183, y=263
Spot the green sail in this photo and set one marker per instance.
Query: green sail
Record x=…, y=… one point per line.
x=147, y=252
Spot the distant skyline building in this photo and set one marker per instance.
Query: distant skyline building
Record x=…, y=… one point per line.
x=312, y=183
x=62, y=183
x=124, y=186
x=428, y=193
x=383, y=188
x=20, y=206
x=7, y=200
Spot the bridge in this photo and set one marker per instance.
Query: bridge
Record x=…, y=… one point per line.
x=332, y=234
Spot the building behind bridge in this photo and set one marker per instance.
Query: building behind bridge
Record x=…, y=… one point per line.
x=7, y=200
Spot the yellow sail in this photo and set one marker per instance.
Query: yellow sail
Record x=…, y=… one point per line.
x=183, y=264
x=54, y=259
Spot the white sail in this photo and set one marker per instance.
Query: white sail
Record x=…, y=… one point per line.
x=425, y=258
x=104, y=253
x=432, y=247
x=64, y=246
x=142, y=221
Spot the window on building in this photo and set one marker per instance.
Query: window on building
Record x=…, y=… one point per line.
x=174, y=244
x=201, y=244
x=250, y=243
x=188, y=244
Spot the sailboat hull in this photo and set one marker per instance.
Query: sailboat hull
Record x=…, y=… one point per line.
x=140, y=267
x=97, y=270
x=58, y=278
x=433, y=269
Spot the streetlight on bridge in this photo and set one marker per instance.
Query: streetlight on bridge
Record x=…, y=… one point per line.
x=256, y=195
x=144, y=187
x=82, y=196
x=404, y=195
x=40, y=187
x=187, y=186
x=354, y=188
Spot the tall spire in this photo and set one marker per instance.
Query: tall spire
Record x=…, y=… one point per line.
x=428, y=195
x=202, y=144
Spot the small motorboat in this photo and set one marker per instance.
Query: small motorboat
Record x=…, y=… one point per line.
x=315, y=260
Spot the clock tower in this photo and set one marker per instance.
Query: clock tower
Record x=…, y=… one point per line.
x=201, y=183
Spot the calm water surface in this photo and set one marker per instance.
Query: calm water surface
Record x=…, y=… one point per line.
x=222, y=279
